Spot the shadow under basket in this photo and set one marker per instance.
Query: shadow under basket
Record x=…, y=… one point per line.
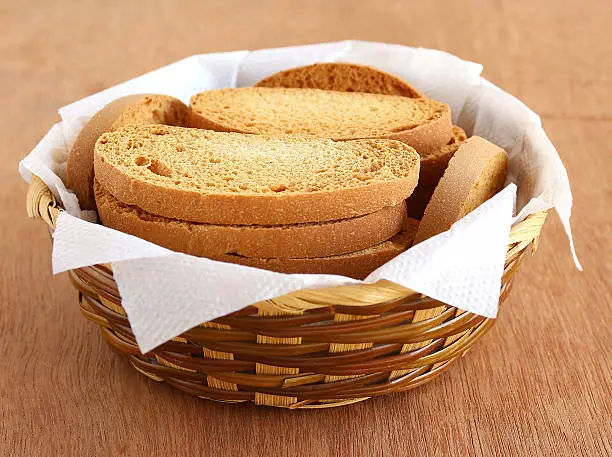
x=307, y=349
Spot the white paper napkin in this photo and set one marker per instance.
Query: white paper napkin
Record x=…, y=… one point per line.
x=441, y=267
x=165, y=293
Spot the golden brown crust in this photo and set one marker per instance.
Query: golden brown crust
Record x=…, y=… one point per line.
x=356, y=265
x=347, y=77
x=79, y=170
x=153, y=109
x=207, y=240
x=425, y=125
x=433, y=165
x=476, y=172
x=131, y=109
x=257, y=208
x=343, y=77
x=261, y=209
x=430, y=137
x=432, y=169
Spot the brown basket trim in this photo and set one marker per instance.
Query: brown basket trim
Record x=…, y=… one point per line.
x=413, y=338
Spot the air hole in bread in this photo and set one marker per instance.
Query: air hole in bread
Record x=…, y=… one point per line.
x=362, y=176
x=376, y=166
x=160, y=168
x=278, y=187
x=142, y=161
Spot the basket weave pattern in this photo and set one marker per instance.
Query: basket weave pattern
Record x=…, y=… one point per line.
x=307, y=349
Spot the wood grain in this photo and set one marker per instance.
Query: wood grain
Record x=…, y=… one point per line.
x=537, y=385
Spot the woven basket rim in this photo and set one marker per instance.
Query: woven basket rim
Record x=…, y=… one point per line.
x=42, y=204
x=307, y=349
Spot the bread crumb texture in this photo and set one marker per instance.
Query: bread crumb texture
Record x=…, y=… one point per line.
x=341, y=76
x=312, y=112
x=153, y=109
x=213, y=162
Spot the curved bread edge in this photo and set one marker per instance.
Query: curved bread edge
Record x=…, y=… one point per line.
x=79, y=169
x=343, y=77
x=208, y=240
x=357, y=265
x=227, y=208
x=131, y=109
x=432, y=169
x=427, y=137
x=476, y=173
x=348, y=77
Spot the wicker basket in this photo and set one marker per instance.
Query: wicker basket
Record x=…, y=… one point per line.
x=307, y=349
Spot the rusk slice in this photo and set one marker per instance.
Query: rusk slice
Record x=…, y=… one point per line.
x=285, y=241
x=232, y=178
x=356, y=265
x=343, y=77
x=476, y=172
x=424, y=124
x=432, y=169
x=131, y=109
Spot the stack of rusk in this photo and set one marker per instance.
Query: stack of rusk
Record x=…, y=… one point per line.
x=314, y=170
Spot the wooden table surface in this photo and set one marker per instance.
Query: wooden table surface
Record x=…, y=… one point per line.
x=537, y=385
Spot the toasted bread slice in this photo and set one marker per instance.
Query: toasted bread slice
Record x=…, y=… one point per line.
x=131, y=109
x=432, y=169
x=284, y=241
x=232, y=178
x=343, y=77
x=476, y=172
x=356, y=265
x=424, y=124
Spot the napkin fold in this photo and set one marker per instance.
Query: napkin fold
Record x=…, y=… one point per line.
x=464, y=265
